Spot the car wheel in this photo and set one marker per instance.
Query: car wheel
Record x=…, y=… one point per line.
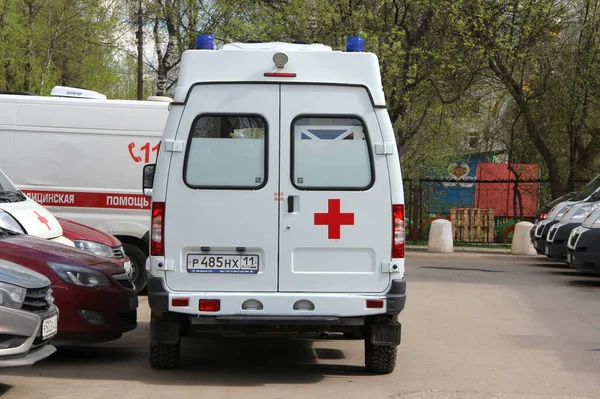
x=164, y=356
x=380, y=359
x=138, y=266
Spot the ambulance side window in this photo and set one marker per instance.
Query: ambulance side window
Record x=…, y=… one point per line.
x=330, y=152
x=226, y=151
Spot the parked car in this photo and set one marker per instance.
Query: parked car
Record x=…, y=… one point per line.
x=17, y=211
x=583, y=249
x=558, y=234
x=99, y=243
x=540, y=229
x=97, y=301
x=28, y=317
x=20, y=213
x=543, y=211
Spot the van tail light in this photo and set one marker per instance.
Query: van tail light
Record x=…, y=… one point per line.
x=374, y=303
x=157, y=246
x=398, y=238
x=280, y=75
x=209, y=305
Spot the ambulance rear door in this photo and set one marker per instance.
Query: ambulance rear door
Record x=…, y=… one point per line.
x=221, y=212
x=335, y=212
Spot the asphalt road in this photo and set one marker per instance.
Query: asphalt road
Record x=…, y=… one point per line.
x=475, y=326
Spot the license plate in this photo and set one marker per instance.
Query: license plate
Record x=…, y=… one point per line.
x=49, y=327
x=127, y=267
x=242, y=264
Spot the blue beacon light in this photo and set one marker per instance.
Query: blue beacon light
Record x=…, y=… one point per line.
x=205, y=42
x=355, y=44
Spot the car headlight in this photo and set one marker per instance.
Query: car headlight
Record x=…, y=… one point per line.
x=94, y=247
x=12, y=296
x=9, y=223
x=581, y=213
x=81, y=276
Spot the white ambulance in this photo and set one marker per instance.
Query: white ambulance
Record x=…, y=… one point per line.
x=80, y=155
x=20, y=213
x=277, y=201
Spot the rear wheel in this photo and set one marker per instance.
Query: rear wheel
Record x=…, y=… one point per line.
x=138, y=266
x=164, y=356
x=380, y=359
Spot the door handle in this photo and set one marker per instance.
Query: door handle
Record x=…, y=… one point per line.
x=292, y=202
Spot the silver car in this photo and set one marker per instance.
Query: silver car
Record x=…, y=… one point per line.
x=28, y=316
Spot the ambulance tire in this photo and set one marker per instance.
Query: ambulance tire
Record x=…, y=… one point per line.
x=164, y=356
x=138, y=263
x=380, y=359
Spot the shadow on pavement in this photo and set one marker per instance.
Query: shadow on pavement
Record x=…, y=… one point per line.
x=204, y=362
x=468, y=269
x=4, y=388
x=587, y=283
x=566, y=273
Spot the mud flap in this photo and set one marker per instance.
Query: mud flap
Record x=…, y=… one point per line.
x=386, y=334
x=164, y=331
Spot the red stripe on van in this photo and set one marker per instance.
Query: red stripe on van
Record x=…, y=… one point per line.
x=86, y=199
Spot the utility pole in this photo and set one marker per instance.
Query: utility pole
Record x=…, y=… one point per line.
x=140, y=52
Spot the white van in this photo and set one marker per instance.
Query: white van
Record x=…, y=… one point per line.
x=277, y=201
x=80, y=156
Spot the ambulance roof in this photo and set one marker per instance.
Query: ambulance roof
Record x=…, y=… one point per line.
x=64, y=113
x=249, y=62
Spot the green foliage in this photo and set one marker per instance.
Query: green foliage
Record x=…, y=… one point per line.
x=46, y=43
x=524, y=75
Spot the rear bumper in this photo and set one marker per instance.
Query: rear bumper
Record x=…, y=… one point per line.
x=268, y=305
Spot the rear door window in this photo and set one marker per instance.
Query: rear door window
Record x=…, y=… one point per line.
x=331, y=153
x=227, y=151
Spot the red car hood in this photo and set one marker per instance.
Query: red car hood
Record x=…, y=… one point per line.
x=33, y=252
x=75, y=231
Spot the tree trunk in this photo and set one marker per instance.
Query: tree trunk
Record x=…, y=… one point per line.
x=535, y=136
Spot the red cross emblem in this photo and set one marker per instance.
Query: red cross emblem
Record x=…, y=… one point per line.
x=43, y=220
x=334, y=219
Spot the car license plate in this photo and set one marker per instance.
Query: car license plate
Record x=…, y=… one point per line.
x=242, y=264
x=49, y=327
x=127, y=267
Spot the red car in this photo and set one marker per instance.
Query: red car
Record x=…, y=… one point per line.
x=95, y=298
x=97, y=242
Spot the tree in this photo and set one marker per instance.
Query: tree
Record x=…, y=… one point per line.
x=67, y=42
x=544, y=54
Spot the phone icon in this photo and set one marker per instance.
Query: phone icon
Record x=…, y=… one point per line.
x=136, y=158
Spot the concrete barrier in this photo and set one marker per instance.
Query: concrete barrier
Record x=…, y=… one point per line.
x=521, y=243
x=440, y=236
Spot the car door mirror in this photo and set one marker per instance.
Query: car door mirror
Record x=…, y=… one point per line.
x=148, y=179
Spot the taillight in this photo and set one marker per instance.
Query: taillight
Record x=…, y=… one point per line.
x=543, y=215
x=398, y=232
x=374, y=303
x=157, y=247
x=209, y=305
x=180, y=302
x=280, y=75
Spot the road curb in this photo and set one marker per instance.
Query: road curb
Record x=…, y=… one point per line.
x=503, y=251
